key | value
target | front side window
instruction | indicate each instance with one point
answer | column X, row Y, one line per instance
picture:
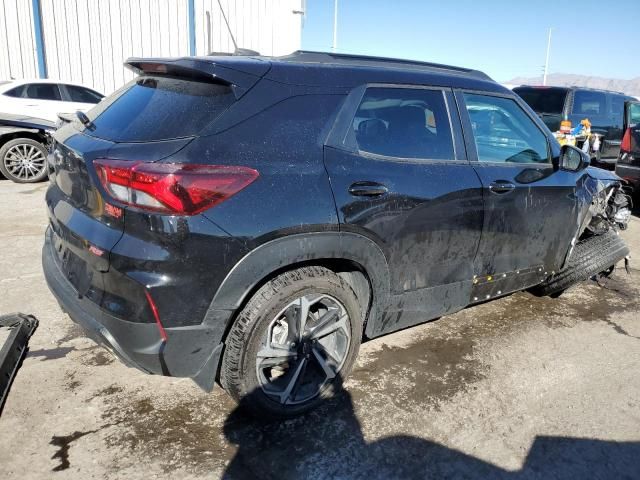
column 43, row 91
column 588, row 103
column 82, row 95
column 404, row 123
column 503, row 132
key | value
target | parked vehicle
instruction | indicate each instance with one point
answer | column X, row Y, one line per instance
column 23, row 147
column 628, row 166
column 603, row 108
column 261, row 216
column 45, row 98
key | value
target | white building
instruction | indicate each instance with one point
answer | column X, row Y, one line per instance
column 87, row 41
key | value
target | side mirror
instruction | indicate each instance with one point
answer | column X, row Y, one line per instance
column 573, row 159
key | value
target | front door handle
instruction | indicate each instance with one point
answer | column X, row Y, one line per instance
column 501, row 186
column 367, row 189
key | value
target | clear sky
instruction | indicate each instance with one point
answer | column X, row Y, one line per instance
column 503, row 38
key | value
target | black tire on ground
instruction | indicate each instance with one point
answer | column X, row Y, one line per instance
column 239, row 372
column 35, row 151
column 590, row 257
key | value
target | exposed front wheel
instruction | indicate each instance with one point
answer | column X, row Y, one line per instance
column 23, row 160
column 293, row 343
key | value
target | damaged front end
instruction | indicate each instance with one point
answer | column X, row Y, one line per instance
column 608, row 204
column 603, row 205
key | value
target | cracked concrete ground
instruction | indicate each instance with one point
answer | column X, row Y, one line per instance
column 519, row 387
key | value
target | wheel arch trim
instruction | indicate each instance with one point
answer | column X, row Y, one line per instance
column 282, row 252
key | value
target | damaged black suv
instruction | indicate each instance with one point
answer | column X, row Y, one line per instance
column 250, row 220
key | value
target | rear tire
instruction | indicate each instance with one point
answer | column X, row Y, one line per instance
column 277, row 369
column 590, row 257
column 23, row 160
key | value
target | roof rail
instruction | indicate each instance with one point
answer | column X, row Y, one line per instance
column 366, row 60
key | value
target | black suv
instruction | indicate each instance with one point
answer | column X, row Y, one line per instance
column 603, row 108
column 249, row 220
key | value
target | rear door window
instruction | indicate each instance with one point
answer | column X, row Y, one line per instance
column 404, row 123
column 503, row 132
column 587, row 103
column 43, row 91
column 159, row 108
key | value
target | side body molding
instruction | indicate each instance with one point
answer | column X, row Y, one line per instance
column 282, row 252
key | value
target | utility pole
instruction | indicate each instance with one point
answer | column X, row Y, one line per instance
column 546, row 63
column 335, row 26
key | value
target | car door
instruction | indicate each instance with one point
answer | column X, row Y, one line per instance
column 616, row 125
column 42, row 100
column 628, row 166
column 531, row 212
column 400, row 176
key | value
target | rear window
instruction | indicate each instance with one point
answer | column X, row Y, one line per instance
column 159, row 108
column 543, row 100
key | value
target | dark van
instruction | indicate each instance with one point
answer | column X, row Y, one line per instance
column 603, row 108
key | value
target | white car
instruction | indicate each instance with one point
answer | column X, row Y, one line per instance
column 45, row 98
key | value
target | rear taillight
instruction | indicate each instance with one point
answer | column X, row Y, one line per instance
column 625, row 146
column 172, row 188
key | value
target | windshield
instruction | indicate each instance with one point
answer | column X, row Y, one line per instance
column 543, row 99
column 159, row 108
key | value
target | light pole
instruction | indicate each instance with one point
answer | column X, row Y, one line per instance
column 546, row 63
column 334, row 47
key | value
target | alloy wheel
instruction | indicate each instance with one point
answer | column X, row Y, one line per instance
column 304, row 349
column 24, row 161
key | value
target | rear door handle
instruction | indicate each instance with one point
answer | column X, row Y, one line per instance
column 367, row 189
column 501, row 186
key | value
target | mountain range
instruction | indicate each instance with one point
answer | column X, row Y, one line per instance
column 630, row 87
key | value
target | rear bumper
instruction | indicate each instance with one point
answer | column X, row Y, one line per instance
column 192, row 351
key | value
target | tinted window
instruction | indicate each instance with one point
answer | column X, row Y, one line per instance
column 589, row 103
column 404, row 123
column 634, row 113
column 43, row 91
column 15, row 92
column 504, row 132
column 160, row 108
column 543, row 99
column 82, row 95
column 617, row 105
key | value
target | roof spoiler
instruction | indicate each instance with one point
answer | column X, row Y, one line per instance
column 239, row 73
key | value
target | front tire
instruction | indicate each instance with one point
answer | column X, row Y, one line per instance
column 23, row 160
column 293, row 344
column 591, row 256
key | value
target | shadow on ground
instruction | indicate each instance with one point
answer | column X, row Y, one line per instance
column 336, row 448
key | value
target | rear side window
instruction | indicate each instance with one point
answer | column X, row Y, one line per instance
column 543, row 99
column 15, row 92
column 404, row 123
column 503, row 132
column 617, row 105
column 43, row 91
column 82, row 95
column 589, row 103
column 634, row 113
column 160, row 108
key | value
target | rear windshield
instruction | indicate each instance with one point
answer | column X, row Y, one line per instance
column 543, row 100
column 159, row 108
